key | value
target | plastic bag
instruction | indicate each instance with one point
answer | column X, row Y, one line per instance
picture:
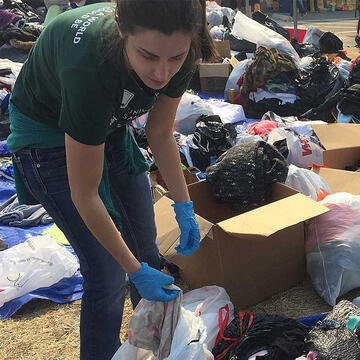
column 303, row 152
column 198, row 324
column 304, row 49
column 333, row 247
column 318, row 81
column 235, row 75
column 248, row 29
column 190, row 109
column 313, row 35
column 38, row 262
column 307, row 182
column 263, row 19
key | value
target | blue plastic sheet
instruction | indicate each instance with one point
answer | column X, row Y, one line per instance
column 66, row 290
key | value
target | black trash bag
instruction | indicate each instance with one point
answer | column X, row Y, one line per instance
column 263, row 19
column 243, row 46
column 304, row 49
column 282, row 337
column 354, row 76
column 317, row 82
column 212, row 138
column 242, row 177
column 330, row 43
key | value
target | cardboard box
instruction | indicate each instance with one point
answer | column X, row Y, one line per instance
column 253, row 255
column 159, row 187
column 340, row 180
column 342, row 144
column 213, row 76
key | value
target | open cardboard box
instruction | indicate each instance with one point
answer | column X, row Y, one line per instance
column 253, row 255
column 342, row 144
column 340, row 180
column 213, row 76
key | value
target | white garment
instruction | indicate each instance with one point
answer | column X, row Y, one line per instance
column 261, row 94
column 304, row 127
column 229, row 113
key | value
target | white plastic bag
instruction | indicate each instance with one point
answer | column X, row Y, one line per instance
column 238, row 70
column 303, row 152
column 307, row 182
column 333, row 247
column 199, row 321
column 190, row 108
column 251, row 30
column 38, row 262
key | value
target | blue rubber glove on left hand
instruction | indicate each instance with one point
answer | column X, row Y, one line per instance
column 189, row 227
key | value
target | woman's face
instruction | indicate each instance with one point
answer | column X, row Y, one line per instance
column 156, row 57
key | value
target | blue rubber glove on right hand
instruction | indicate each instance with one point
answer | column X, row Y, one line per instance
column 149, row 282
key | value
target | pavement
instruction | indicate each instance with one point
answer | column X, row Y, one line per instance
column 342, row 23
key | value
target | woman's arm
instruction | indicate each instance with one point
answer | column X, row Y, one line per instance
column 85, row 167
column 159, row 132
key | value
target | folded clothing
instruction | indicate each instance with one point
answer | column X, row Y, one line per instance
column 13, row 214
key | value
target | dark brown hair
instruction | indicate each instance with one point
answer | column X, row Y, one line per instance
column 168, row 16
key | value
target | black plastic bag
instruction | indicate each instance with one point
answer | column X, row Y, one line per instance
column 318, row 81
column 263, row 19
column 304, row 49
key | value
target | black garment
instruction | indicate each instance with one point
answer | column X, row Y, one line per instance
column 255, row 110
column 349, row 103
column 331, row 339
column 263, row 19
column 243, row 46
column 330, row 43
column 229, row 3
column 3, row 245
column 212, row 138
column 243, row 176
column 13, row 32
column 282, row 337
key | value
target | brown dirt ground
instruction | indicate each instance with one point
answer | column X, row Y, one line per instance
column 43, row 330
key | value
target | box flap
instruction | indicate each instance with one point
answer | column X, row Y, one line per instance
column 223, row 48
column 337, row 136
column 214, row 70
column 340, row 180
column 168, row 231
column 269, row 219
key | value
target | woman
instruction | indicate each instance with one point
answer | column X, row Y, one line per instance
column 92, row 71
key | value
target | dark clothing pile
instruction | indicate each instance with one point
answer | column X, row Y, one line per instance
column 331, row 339
column 243, row 176
column 210, row 140
column 283, row 338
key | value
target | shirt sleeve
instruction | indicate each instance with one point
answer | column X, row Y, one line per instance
column 180, row 81
column 86, row 106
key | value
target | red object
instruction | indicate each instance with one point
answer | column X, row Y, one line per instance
column 223, row 324
column 262, row 127
column 301, row 34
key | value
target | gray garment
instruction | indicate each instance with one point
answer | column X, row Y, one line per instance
column 13, row 214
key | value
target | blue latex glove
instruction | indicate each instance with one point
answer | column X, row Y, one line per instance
column 189, row 227
column 149, row 282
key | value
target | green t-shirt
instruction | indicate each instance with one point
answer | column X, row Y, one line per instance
column 68, row 83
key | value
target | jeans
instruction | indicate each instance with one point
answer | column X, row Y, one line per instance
column 45, row 176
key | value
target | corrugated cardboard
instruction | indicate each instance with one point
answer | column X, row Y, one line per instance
column 253, row 255
column 340, row 180
column 213, row 76
column 342, row 144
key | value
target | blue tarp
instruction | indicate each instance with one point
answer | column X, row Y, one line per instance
column 67, row 289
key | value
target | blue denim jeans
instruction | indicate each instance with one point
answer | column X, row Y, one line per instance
column 45, row 176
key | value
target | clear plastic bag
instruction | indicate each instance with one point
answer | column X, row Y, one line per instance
column 38, row 262
column 307, row 182
column 238, row 70
column 333, row 247
column 249, row 29
column 198, row 324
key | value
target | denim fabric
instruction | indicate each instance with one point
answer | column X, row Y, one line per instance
column 45, row 175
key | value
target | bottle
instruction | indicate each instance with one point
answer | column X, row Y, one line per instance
column 232, row 95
